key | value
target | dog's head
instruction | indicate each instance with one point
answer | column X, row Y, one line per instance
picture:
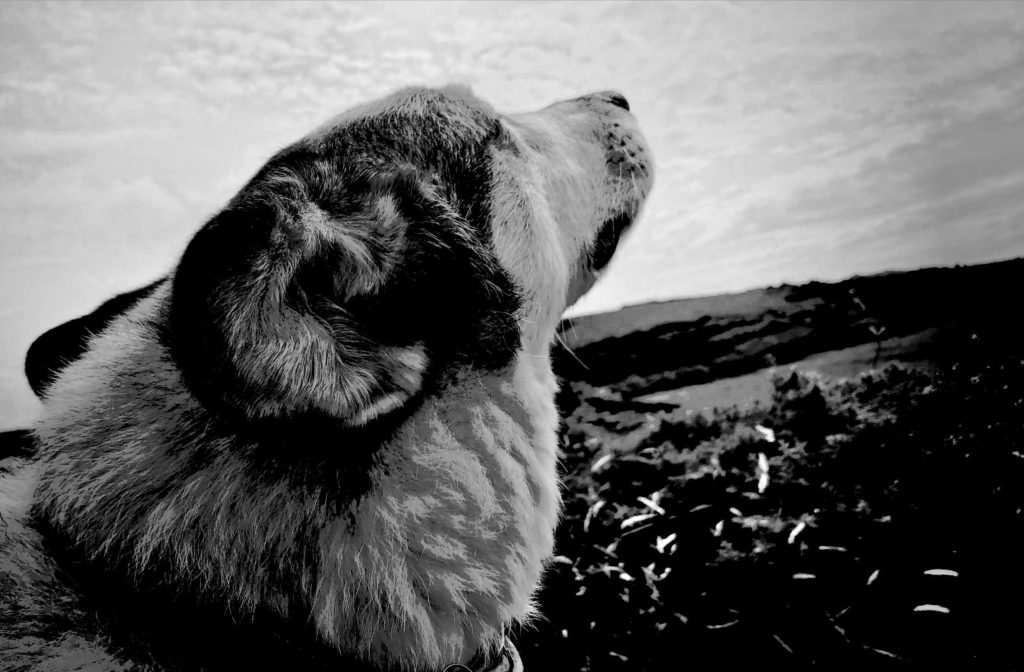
column 406, row 236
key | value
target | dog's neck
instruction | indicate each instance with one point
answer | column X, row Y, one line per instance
column 427, row 558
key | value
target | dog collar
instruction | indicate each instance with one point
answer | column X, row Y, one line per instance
column 505, row 659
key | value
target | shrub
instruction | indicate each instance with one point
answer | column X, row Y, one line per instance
column 803, row 534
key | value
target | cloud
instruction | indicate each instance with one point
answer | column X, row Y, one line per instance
column 28, row 143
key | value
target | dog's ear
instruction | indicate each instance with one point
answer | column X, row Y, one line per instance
column 313, row 293
column 54, row 350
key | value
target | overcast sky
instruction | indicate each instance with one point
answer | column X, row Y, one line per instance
column 792, row 141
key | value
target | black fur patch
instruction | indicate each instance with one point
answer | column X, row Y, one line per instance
column 607, row 239
column 63, row 344
column 445, row 290
column 221, row 252
column 156, row 626
column 449, row 292
column 16, row 443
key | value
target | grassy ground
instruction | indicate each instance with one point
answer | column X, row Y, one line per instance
column 660, row 347
column 755, row 388
column 872, row 523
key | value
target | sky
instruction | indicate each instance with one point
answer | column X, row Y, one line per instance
column 792, row 141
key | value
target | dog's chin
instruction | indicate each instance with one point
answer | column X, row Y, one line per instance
column 597, row 257
column 581, row 282
column 607, row 241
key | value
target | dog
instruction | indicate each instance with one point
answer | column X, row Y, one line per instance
column 335, row 417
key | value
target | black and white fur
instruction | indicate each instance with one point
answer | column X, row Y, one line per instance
column 334, row 418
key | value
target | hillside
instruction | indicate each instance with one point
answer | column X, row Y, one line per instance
column 669, row 345
column 747, row 485
column 866, row 524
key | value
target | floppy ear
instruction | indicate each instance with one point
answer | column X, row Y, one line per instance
column 54, row 350
column 308, row 294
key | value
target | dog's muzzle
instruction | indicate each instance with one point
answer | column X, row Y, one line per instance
column 607, row 240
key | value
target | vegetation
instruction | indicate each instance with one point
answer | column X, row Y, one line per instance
column 873, row 523
column 668, row 345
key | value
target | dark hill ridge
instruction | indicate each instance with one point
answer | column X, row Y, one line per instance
column 659, row 346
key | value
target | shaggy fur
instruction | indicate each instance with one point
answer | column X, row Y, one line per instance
column 338, row 409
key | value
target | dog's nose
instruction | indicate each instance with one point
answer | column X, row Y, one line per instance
column 617, row 99
column 613, row 97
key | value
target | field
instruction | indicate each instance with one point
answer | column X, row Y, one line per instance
column 755, row 388
column 845, row 508
column 873, row 523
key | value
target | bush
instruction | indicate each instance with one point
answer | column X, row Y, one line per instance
column 803, row 534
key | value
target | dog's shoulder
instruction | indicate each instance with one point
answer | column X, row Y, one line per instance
column 36, row 599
